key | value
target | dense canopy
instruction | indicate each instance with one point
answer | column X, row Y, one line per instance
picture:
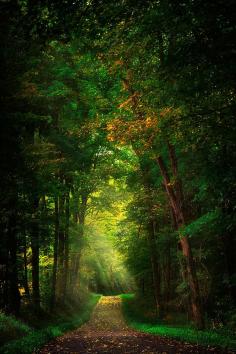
column 118, row 150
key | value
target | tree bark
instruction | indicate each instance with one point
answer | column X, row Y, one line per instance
column 151, row 236
column 185, row 244
column 81, row 212
column 66, row 245
column 13, row 298
column 61, row 248
column 176, row 202
column 177, row 183
column 181, row 261
column 55, row 255
column 26, row 284
column 167, row 271
column 35, row 254
column 155, row 265
column 75, row 202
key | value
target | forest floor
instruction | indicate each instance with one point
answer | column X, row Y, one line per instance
column 107, row 332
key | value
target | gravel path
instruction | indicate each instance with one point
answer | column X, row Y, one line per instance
column 107, row 332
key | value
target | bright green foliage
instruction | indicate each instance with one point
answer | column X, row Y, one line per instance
column 190, row 335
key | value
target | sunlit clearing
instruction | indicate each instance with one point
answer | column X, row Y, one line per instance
column 103, row 268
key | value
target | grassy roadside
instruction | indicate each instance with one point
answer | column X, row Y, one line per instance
column 32, row 340
column 186, row 334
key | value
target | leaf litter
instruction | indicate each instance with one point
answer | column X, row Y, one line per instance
column 107, row 333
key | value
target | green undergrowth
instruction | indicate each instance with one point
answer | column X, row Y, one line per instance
column 135, row 319
column 11, row 328
column 30, row 340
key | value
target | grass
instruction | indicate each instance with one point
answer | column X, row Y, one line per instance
column 11, row 328
column 187, row 334
column 31, row 340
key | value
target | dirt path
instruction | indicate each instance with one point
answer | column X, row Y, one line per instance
column 107, row 332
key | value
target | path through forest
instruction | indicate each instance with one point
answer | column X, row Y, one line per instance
column 107, row 332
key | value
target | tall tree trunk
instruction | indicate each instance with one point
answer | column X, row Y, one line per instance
column 26, row 284
column 167, row 272
column 61, row 248
column 176, row 200
column 75, row 202
column 142, row 281
column 55, row 254
column 151, row 226
column 185, row 245
column 155, row 266
column 75, row 272
column 229, row 240
column 77, row 257
column 177, row 183
column 66, row 244
column 151, row 236
column 35, row 254
column 13, row 298
column 180, row 199
column 182, row 264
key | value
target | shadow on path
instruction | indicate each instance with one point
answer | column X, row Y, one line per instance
column 107, row 332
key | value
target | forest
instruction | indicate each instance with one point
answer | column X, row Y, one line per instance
column 118, row 166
